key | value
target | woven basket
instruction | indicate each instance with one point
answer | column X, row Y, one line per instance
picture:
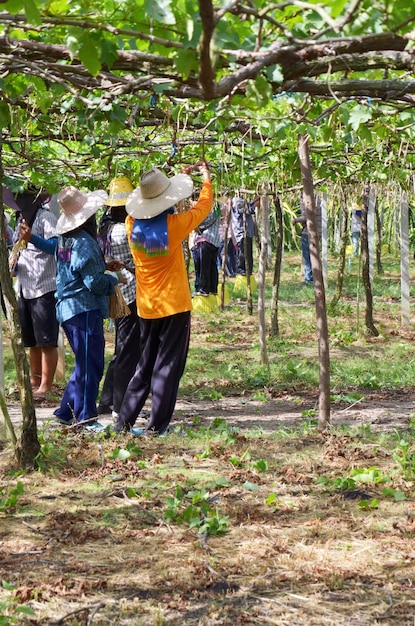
column 117, row 305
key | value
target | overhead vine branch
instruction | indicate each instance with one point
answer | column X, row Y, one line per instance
column 99, row 71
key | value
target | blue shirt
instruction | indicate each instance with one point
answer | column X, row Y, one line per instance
column 81, row 283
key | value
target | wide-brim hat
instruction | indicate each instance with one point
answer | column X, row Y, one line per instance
column 120, row 189
column 8, row 199
column 157, row 193
column 78, row 207
column 25, row 200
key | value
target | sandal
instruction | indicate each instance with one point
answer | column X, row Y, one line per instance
column 39, row 397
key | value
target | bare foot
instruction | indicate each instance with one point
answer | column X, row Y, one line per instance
column 40, row 393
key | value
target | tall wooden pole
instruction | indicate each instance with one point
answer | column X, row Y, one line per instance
column 261, row 275
column 365, row 252
column 277, row 267
column 319, row 290
column 405, row 282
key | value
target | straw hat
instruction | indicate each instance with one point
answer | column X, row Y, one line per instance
column 120, row 189
column 78, row 207
column 157, row 193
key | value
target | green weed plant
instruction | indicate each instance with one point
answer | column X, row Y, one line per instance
column 10, row 499
column 11, row 612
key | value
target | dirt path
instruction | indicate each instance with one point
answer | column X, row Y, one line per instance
column 382, row 410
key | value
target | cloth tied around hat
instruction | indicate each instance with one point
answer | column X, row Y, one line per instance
column 157, row 193
column 77, row 207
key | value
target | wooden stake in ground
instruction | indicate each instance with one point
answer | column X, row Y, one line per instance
column 319, row 290
column 224, row 254
column 366, row 273
column 405, row 276
column 344, row 237
column 261, row 276
column 277, row 267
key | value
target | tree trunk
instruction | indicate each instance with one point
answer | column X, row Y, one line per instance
column 277, row 268
column 379, row 239
column 261, row 277
column 224, row 253
column 332, row 235
column 405, row 264
column 319, row 290
column 28, row 447
column 7, row 420
column 247, row 268
column 370, row 326
column 343, row 245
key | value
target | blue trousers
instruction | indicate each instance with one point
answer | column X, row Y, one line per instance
column 85, row 334
column 164, row 347
column 305, row 251
column 356, row 241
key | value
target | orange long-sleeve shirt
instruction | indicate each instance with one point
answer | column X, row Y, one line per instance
column 162, row 281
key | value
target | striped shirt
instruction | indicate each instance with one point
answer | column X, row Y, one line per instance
column 208, row 230
column 120, row 250
column 36, row 270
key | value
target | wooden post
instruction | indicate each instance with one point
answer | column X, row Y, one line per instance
column 371, row 231
column 261, row 276
column 319, row 291
column 364, row 246
column 279, row 244
column 324, row 246
column 405, row 299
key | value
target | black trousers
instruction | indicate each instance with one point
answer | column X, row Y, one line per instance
column 206, row 267
column 241, row 262
column 164, row 347
column 124, row 362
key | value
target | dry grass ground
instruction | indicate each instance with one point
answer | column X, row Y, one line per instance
column 92, row 538
column 245, row 515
